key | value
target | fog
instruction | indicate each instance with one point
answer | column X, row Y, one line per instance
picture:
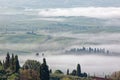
column 99, row 65
column 109, row 41
column 95, row 12
column 55, row 45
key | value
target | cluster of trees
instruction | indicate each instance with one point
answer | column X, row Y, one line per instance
column 34, row 70
column 9, row 67
column 115, row 75
column 31, row 70
column 11, row 64
column 77, row 72
column 87, row 50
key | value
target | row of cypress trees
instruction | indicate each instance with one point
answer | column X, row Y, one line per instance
column 11, row 63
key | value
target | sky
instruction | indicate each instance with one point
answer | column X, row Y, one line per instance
column 59, row 3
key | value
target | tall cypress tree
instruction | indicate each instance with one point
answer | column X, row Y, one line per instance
column 12, row 62
column 0, row 63
column 3, row 64
column 7, row 61
column 78, row 70
column 67, row 71
column 50, row 71
column 44, row 71
column 17, row 65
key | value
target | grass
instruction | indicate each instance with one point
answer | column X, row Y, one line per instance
column 1, row 67
column 69, row 77
column 64, row 40
column 22, row 38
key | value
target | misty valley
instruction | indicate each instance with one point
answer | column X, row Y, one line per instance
column 58, row 42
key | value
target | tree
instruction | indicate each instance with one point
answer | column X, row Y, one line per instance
column 7, row 61
column 74, row 72
column 50, row 71
column 17, row 65
column 58, row 72
column 32, row 64
column 12, row 66
column 67, row 71
column 78, row 73
column 28, row 74
column 3, row 64
column 115, row 75
column 44, row 71
column 0, row 63
column 84, row 75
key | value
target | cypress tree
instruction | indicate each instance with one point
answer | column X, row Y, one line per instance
column 50, row 71
column 44, row 71
column 3, row 64
column 17, row 65
column 78, row 70
column 67, row 71
column 12, row 62
column 7, row 61
column 0, row 63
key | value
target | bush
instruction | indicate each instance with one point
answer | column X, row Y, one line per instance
column 28, row 74
column 32, row 64
column 58, row 72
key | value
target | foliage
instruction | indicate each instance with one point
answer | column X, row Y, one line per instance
column 10, row 68
column 14, row 77
column 66, row 78
column 11, row 64
column 17, row 65
column 67, row 71
column 33, row 70
column 58, row 72
column 50, row 71
column 7, row 61
column 28, row 74
column 32, row 64
column 73, row 73
column 78, row 73
column 44, row 71
column 115, row 75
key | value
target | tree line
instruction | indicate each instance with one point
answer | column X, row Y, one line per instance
column 88, row 50
column 10, row 69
